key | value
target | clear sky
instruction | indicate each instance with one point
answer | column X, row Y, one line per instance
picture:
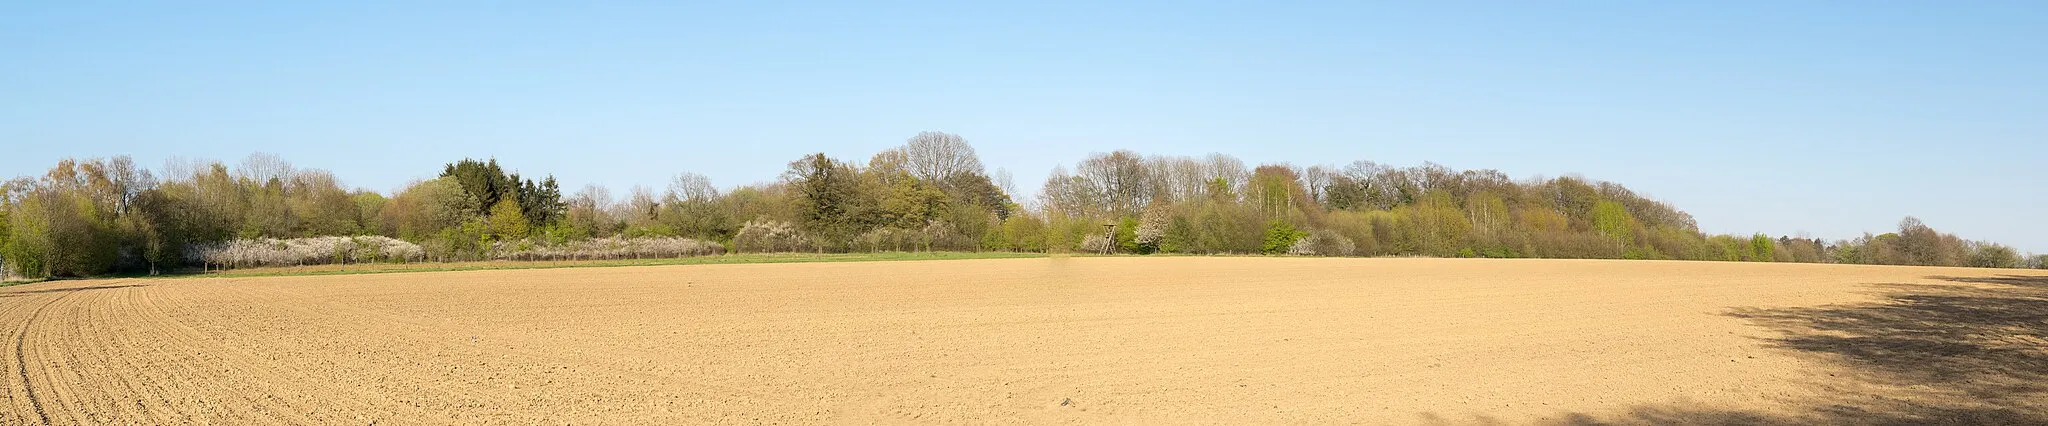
column 1828, row 118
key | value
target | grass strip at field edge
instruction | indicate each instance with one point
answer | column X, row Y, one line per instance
column 725, row 259
column 20, row 282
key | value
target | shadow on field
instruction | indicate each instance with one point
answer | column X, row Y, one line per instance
column 1975, row 352
column 68, row 290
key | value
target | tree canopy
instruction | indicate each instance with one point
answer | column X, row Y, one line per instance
column 95, row 216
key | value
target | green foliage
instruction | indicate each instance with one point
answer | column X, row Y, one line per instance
column 1612, row 220
column 976, row 190
column 1063, row 235
column 648, row 230
column 481, row 181
column 558, row 234
column 1438, row 226
column 1346, row 193
column 506, row 221
column 1219, row 190
column 993, row 240
column 1671, row 242
column 1500, row 253
column 427, row 208
column 1025, row 233
column 1227, row 228
column 369, row 207
column 1639, row 253
column 540, row 203
column 1356, row 226
column 1728, row 248
column 1802, row 250
column 159, row 226
column 466, row 241
column 913, row 203
column 828, row 199
column 91, row 217
column 6, row 268
column 1280, row 236
column 21, row 251
column 57, row 229
column 712, row 219
column 1914, row 244
column 1995, row 256
column 1276, row 191
column 1125, row 237
column 1761, row 248
column 1395, row 234
column 1180, row 235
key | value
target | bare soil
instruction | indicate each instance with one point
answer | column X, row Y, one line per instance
column 1053, row 340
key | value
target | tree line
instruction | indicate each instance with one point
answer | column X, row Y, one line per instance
column 99, row 216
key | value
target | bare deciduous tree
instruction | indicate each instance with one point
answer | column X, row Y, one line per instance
column 1316, row 180
column 1003, row 180
column 264, row 167
column 935, row 156
column 1069, row 195
column 641, row 206
column 888, row 165
column 1121, row 177
column 590, row 210
column 1179, row 179
column 127, row 181
column 691, row 187
column 1230, row 170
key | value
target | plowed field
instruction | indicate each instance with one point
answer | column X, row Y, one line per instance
column 1085, row 340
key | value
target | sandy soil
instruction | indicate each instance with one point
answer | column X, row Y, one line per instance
column 1083, row 340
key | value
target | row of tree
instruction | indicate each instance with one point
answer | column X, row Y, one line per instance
column 92, row 217
column 1218, row 205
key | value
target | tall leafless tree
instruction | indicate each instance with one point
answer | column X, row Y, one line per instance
column 889, row 165
column 1003, row 180
column 691, row 187
column 1179, row 178
column 590, row 210
column 1121, row 177
column 264, row 167
column 1316, row 180
column 1230, row 170
column 641, row 206
column 935, row 156
column 1069, row 195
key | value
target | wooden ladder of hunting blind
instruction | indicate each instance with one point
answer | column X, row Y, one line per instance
column 1108, row 237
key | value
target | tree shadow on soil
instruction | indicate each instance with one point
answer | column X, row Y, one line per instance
column 1973, row 352
column 68, row 290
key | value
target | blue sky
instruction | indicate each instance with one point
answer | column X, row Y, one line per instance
column 1828, row 118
